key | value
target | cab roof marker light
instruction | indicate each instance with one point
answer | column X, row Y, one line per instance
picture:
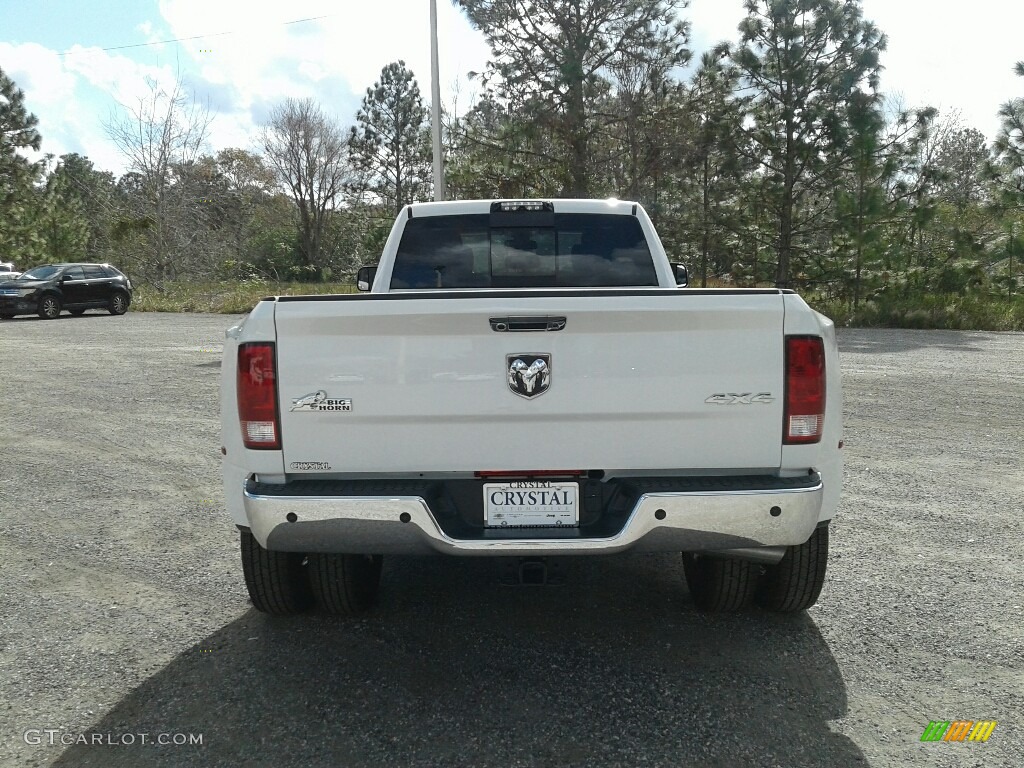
column 509, row 206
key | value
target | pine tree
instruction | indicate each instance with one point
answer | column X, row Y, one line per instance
column 18, row 199
column 1009, row 145
column 802, row 62
column 714, row 161
column 551, row 67
column 390, row 144
column 63, row 222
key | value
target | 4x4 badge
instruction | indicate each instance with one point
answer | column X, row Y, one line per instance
column 744, row 398
column 529, row 375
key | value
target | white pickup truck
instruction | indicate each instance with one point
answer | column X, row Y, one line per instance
column 531, row 380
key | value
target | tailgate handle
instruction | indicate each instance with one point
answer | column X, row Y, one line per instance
column 544, row 323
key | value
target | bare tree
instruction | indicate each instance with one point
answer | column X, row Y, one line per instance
column 161, row 138
column 307, row 150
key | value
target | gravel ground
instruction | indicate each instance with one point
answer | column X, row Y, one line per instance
column 123, row 613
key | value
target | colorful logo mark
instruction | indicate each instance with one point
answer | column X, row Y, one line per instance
column 958, row 730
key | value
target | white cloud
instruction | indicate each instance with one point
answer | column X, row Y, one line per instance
column 712, row 21
column 312, row 70
column 39, row 72
column 952, row 56
column 53, row 93
column 240, row 75
column 350, row 45
column 942, row 53
column 117, row 75
column 148, row 32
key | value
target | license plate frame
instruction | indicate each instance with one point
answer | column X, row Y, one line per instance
column 533, row 504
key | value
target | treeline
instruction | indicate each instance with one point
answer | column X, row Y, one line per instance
column 773, row 158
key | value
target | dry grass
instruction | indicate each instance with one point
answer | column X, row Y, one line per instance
column 225, row 298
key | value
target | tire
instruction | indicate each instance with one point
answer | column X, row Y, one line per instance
column 345, row 585
column 119, row 302
column 795, row 582
column 719, row 584
column 49, row 307
column 77, row 312
column 276, row 580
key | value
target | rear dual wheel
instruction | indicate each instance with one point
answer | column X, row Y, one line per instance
column 345, row 585
column 719, row 584
column 276, row 580
column 285, row 583
column 795, row 582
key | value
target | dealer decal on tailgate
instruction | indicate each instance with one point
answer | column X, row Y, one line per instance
column 301, row 466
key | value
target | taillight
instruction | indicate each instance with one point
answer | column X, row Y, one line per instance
column 805, row 390
column 257, row 396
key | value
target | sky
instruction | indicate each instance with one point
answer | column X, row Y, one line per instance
column 73, row 61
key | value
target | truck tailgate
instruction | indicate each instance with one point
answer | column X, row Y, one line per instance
column 412, row 383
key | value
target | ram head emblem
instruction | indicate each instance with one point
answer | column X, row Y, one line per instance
column 529, row 375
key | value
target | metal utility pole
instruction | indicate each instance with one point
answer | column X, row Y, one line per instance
column 435, row 106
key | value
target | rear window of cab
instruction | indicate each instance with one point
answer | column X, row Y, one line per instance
column 577, row 250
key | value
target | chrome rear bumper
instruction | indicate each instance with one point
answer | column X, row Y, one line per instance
column 754, row 524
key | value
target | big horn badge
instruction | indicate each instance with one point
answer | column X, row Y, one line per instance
column 529, row 375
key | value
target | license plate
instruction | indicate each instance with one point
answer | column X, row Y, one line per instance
column 531, row 503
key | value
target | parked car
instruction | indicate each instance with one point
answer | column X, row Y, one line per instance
column 7, row 271
column 48, row 289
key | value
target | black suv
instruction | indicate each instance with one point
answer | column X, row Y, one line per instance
column 48, row 289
